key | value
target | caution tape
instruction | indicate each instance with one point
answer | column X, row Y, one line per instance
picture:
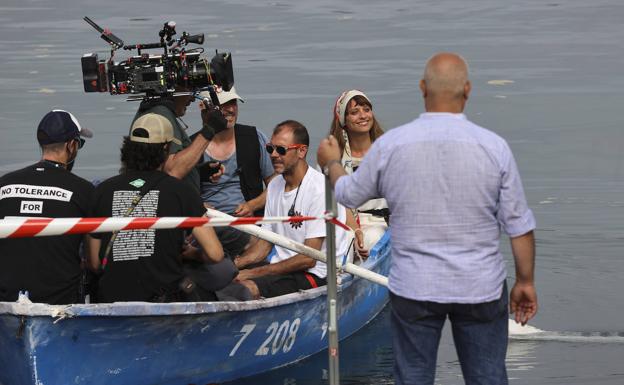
column 40, row 227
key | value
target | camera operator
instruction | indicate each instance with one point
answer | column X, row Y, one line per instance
column 183, row 157
column 47, row 267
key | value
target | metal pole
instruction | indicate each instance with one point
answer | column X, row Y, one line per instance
column 332, row 335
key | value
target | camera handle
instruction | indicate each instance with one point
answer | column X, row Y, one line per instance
column 214, row 99
column 106, row 35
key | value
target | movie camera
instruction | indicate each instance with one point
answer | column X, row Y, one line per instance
column 157, row 75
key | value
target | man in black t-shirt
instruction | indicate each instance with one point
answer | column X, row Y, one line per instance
column 144, row 265
column 47, row 267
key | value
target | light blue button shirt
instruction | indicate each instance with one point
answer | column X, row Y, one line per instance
column 451, row 187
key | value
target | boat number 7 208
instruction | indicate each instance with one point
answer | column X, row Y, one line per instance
column 280, row 337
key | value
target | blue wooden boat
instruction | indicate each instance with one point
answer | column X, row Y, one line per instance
column 178, row 343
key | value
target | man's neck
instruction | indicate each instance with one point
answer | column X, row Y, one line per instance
column 224, row 136
column 294, row 178
column 453, row 107
column 55, row 158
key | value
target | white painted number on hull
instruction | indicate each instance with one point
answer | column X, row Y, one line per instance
column 246, row 330
column 281, row 337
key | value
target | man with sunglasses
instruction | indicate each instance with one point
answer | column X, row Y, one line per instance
column 47, row 267
column 298, row 190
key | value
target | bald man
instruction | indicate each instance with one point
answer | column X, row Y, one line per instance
column 451, row 187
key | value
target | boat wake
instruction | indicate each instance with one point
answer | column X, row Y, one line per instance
column 530, row 333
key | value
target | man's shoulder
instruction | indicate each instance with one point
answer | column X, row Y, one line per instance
column 314, row 181
column 487, row 137
column 138, row 179
column 8, row 177
column 34, row 174
column 245, row 129
column 165, row 108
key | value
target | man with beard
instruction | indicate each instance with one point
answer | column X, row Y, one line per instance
column 298, row 190
column 47, row 267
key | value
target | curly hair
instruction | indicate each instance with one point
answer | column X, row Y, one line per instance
column 142, row 156
column 336, row 129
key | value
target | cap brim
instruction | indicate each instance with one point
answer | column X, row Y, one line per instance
column 86, row 133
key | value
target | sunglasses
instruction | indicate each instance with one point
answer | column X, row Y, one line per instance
column 281, row 150
column 80, row 141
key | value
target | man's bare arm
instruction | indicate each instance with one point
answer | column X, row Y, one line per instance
column 209, row 244
column 246, row 209
column 256, row 253
column 298, row 262
column 182, row 162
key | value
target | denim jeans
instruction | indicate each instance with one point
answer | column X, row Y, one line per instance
column 480, row 334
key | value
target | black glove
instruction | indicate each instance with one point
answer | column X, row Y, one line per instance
column 213, row 123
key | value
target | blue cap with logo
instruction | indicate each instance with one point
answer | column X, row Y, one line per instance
column 59, row 126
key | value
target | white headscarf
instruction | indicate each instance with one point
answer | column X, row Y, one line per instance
column 343, row 101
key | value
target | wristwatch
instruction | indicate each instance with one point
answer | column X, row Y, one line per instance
column 328, row 166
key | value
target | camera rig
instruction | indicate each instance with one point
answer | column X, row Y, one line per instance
column 176, row 71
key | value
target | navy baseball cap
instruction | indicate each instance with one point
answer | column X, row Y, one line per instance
column 59, row 126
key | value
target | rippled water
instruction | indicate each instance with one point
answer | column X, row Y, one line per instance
column 546, row 76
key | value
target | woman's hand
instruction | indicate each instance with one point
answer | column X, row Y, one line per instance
column 359, row 243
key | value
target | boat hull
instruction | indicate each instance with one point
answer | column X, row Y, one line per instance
column 141, row 343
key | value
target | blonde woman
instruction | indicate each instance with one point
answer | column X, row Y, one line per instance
column 355, row 127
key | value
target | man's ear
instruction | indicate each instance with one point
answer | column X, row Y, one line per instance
column 423, row 87
column 467, row 89
column 302, row 152
column 71, row 146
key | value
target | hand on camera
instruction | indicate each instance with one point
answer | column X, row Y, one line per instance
column 213, row 123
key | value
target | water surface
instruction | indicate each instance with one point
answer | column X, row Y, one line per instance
column 546, row 76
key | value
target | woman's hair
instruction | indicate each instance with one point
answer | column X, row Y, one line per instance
column 141, row 156
column 336, row 129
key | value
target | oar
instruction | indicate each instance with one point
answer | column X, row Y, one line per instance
column 283, row 241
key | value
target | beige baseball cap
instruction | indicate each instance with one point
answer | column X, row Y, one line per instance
column 224, row 96
column 158, row 128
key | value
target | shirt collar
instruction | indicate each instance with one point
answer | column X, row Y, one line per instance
column 437, row 115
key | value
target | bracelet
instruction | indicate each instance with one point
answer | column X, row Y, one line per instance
column 329, row 164
column 358, row 229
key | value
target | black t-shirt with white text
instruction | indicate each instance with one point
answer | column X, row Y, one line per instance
column 143, row 263
column 47, row 267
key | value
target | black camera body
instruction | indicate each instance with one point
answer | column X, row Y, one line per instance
column 153, row 75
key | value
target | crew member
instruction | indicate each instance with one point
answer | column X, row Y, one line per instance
column 47, row 267
column 451, row 186
column 184, row 155
column 143, row 265
column 246, row 166
column 298, row 190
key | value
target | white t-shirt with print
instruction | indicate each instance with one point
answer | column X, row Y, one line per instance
column 310, row 202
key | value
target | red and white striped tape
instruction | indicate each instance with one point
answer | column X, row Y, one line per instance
column 39, row 227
